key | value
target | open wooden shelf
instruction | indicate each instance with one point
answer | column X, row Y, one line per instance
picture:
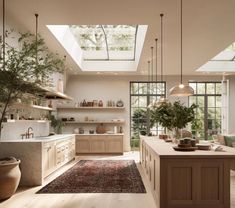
column 94, row 122
column 26, row 121
column 90, row 108
column 22, row 105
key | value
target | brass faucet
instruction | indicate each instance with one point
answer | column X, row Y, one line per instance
column 28, row 133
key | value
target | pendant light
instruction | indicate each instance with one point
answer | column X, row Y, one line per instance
column 151, row 104
column 36, row 35
column 152, row 63
column 154, row 103
column 149, row 72
column 162, row 100
column 181, row 89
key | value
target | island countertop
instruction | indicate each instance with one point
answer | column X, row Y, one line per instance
column 165, row 150
column 40, row 138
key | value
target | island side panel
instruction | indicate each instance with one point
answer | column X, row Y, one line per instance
column 195, row 183
column 30, row 154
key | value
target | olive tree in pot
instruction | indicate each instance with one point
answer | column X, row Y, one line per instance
column 24, row 67
column 174, row 116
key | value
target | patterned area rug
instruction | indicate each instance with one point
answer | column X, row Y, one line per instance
column 98, row 176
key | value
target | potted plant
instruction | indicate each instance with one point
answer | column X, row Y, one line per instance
column 174, row 116
column 23, row 68
column 56, row 123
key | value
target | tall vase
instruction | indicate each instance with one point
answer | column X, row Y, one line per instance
column 9, row 178
column 177, row 133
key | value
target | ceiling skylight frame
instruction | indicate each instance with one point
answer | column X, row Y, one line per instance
column 107, row 48
column 137, row 36
column 222, row 62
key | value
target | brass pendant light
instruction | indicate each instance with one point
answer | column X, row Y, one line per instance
column 181, row 89
column 163, row 99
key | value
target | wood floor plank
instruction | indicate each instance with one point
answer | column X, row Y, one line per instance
column 26, row 197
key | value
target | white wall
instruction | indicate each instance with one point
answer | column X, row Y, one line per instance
column 13, row 130
column 99, row 87
column 231, row 127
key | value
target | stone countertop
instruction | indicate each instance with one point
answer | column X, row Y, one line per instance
column 165, row 150
column 40, row 138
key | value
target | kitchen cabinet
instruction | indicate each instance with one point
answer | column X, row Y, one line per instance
column 99, row 143
column 48, row 152
column 57, row 153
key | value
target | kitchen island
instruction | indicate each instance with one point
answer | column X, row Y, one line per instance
column 39, row 156
column 198, row 179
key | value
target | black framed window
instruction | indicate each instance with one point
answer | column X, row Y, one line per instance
column 141, row 95
column 208, row 113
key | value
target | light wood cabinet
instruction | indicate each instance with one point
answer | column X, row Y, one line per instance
column 48, row 152
column 99, row 144
column 56, row 154
column 191, row 181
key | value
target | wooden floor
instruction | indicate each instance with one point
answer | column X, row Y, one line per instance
column 26, row 197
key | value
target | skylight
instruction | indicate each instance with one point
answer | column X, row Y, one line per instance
column 102, row 47
column 222, row 62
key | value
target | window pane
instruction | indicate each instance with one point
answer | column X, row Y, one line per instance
column 218, row 101
column 211, row 101
column 160, row 88
column 218, row 113
column 142, row 101
column 134, row 101
column 218, row 88
column 210, row 88
column 200, row 101
column 192, row 100
column 211, row 113
column 200, row 88
column 153, row 88
column 194, row 86
column 134, row 88
column 142, row 88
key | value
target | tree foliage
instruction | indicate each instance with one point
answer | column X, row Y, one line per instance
column 174, row 116
column 28, row 64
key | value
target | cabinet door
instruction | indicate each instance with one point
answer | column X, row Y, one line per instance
column 82, row 146
column 48, row 158
column 114, row 146
column 97, row 146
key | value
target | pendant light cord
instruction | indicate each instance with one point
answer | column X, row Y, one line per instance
column 3, row 35
column 161, row 15
column 156, row 57
column 152, row 62
column 149, row 72
column 181, row 42
column 36, row 35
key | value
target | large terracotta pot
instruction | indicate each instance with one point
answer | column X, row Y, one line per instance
column 9, row 178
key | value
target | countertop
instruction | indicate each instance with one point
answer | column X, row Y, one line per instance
column 41, row 138
column 165, row 150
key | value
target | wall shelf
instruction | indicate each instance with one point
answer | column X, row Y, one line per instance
column 22, row 105
column 50, row 93
column 94, row 122
column 90, row 108
column 28, row 121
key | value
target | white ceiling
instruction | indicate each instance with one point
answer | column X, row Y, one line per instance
column 207, row 25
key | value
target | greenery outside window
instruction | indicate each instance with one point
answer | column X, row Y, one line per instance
column 208, row 113
column 141, row 95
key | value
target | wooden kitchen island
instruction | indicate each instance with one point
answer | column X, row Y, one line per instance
column 199, row 179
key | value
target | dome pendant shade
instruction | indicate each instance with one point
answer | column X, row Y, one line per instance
column 181, row 90
column 161, row 101
column 158, row 103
